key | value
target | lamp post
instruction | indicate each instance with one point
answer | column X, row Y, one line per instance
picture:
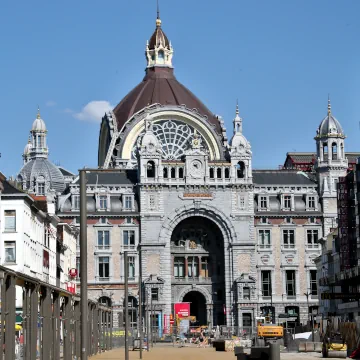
column 140, row 304
column 126, row 272
column 310, row 317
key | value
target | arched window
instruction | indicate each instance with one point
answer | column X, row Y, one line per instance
column 181, row 173
column 342, row 151
column 325, row 151
column 240, row 170
column 237, row 127
column 227, row 173
column 334, row 151
column 105, row 300
column 218, row 173
column 165, row 172
column 211, row 173
column 150, row 169
column 132, row 310
column 173, row 173
column 161, row 57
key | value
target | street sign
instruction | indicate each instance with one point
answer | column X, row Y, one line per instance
column 339, row 296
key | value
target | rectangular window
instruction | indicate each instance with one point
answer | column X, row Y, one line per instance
column 290, row 283
column 266, row 282
column 246, row 293
column 312, row 238
column 287, row 202
column 76, row 202
column 103, row 239
column 264, row 239
column 311, row 204
column 131, row 266
column 103, row 202
column 205, row 267
column 155, row 294
column 104, row 267
column 129, row 239
column 242, row 202
column 313, row 283
column 193, row 267
column 289, row 239
column 41, row 188
column 10, row 220
column 179, row 267
column 247, row 320
column 263, row 203
column 128, row 202
column 10, row 251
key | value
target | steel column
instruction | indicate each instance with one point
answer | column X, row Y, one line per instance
column 56, row 326
column 77, row 329
column 3, row 306
column 34, row 304
column 140, row 304
column 83, row 266
column 111, row 329
column 67, row 328
column 126, row 273
column 10, row 316
column 96, row 329
column 26, row 322
column 46, row 338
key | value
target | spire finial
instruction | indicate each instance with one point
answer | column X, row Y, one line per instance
column 38, row 113
column 29, row 140
column 158, row 21
column 237, row 107
column 329, row 105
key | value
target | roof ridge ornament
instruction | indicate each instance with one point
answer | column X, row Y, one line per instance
column 38, row 113
column 237, row 107
column 329, row 105
column 158, row 20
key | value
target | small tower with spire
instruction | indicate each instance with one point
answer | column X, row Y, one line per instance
column 38, row 133
column 240, row 152
column 159, row 51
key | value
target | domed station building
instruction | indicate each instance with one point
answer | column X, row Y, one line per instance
column 234, row 242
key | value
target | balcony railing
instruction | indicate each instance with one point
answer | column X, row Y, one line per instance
column 103, row 247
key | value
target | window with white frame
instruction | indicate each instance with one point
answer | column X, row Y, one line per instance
column 266, row 282
column 131, row 267
column 10, row 251
column 313, row 282
column 312, row 238
column 311, row 202
column 290, row 283
column 263, row 202
column 287, row 202
column 103, row 239
column 128, row 202
column 76, row 202
column 288, row 238
column 129, row 239
column 104, row 267
column 103, row 200
column 264, row 239
column 10, row 220
column 179, row 267
column 41, row 188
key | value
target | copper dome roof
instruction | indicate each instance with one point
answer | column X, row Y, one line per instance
column 160, row 86
column 158, row 38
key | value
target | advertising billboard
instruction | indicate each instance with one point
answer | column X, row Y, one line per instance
column 182, row 309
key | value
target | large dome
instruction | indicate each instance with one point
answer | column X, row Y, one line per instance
column 42, row 169
column 160, row 86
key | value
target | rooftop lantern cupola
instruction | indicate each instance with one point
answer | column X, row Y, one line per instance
column 159, row 51
column 38, row 132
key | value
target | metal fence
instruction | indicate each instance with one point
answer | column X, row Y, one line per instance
column 47, row 324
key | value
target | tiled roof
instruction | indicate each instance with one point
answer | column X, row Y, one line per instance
column 121, row 177
column 65, row 172
column 280, row 177
column 10, row 189
column 308, row 157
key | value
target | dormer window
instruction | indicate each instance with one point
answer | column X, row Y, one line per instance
column 103, row 202
column 287, row 202
column 263, row 202
column 128, row 202
column 41, row 188
column 311, row 203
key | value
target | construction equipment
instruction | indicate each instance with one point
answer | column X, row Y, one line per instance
column 268, row 333
column 334, row 346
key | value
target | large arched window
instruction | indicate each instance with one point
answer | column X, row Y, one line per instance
column 240, row 170
column 334, row 151
column 150, row 168
column 218, row 173
column 165, row 172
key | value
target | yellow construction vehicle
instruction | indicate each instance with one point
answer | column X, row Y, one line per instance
column 334, row 346
column 267, row 332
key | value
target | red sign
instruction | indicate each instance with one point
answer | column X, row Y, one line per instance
column 171, row 319
column 71, row 287
column 73, row 272
column 46, row 262
column 182, row 309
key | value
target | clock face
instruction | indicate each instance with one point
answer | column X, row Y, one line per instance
column 196, row 169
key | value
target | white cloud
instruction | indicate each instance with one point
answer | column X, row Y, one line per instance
column 93, row 111
column 50, row 103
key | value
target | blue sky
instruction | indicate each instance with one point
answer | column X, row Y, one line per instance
column 279, row 58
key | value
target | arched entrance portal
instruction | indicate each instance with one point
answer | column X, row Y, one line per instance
column 197, row 306
column 197, row 252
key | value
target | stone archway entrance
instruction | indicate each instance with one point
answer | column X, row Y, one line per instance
column 197, row 306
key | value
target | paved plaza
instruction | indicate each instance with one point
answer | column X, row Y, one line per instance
column 168, row 352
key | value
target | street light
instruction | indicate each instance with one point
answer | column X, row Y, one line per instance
column 310, row 317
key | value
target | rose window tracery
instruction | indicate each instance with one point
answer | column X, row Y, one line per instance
column 174, row 137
